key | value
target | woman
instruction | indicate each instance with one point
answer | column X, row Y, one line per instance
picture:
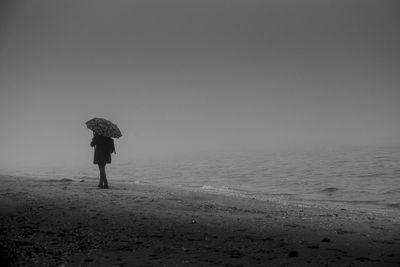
column 103, row 147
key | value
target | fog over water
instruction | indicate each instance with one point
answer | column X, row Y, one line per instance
column 183, row 77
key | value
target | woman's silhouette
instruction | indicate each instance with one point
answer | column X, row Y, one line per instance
column 103, row 147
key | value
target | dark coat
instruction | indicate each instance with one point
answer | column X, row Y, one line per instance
column 103, row 147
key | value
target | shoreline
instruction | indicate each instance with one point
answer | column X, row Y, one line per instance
column 54, row 223
column 316, row 203
column 366, row 206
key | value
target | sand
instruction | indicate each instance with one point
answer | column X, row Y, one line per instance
column 74, row 223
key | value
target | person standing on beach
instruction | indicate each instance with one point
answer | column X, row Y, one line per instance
column 103, row 147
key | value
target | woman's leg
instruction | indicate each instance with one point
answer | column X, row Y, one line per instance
column 103, row 177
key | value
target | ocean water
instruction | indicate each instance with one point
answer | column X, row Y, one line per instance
column 367, row 177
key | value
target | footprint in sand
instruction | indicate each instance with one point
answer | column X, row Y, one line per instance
column 363, row 259
column 377, row 227
column 342, row 231
column 293, row 254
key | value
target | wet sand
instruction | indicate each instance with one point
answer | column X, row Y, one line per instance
column 74, row 223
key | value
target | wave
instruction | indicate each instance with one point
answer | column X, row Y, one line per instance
column 86, row 177
column 394, row 205
column 224, row 190
column 216, row 189
column 63, row 180
column 371, row 175
column 330, row 190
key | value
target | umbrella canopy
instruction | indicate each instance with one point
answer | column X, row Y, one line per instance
column 104, row 127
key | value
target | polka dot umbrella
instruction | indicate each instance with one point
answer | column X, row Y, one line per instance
column 104, row 127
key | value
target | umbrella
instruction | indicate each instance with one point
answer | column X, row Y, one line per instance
column 104, row 127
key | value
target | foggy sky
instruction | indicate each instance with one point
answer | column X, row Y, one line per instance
column 188, row 76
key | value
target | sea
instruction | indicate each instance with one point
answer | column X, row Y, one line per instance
column 351, row 176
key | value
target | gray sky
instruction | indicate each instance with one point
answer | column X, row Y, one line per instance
column 183, row 76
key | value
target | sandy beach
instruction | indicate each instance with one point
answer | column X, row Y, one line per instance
column 73, row 223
